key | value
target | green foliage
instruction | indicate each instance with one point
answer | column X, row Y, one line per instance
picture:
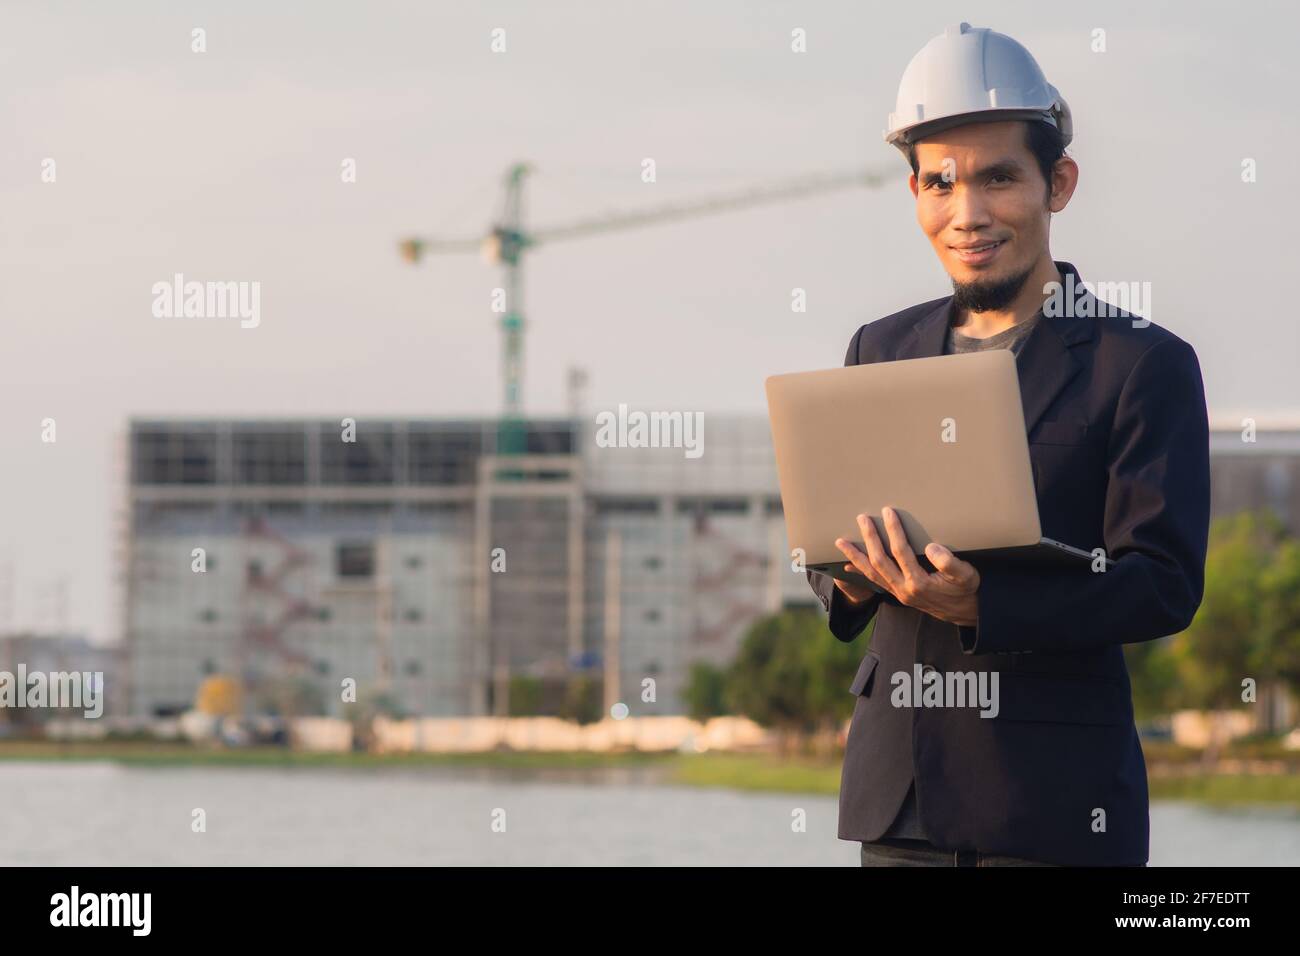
column 583, row 700
column 1153, row 670
column 1228, row 640
column 705, row 692
column 790, row 673
column 525, row 696
column 1279, row 652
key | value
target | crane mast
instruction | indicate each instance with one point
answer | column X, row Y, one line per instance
column 508, row 240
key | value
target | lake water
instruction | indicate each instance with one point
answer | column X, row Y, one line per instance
column 90, row 814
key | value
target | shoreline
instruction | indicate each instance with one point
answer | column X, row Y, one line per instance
column 1179, row 779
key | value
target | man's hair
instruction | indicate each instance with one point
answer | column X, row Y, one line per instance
column 1043, row 139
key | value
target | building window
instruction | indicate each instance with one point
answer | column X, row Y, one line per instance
column 699, row 506
column 269, row 455
column 412, row 614
column 369, row 459
column 165, row 454
column 355, row 560
column 441, row 507
column 443, row 454
column 356, row 507
column 627, row 506
column 207, row 615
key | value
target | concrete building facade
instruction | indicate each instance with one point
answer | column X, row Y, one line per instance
column 411, row 559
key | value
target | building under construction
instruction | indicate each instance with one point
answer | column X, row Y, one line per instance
column 413, row 559
column 421, row 564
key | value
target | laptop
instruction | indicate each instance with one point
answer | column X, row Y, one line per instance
column 909, row 434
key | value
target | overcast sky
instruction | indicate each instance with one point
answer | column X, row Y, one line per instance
column 225, row 165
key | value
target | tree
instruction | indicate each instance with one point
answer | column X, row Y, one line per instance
column 1226, row 638
column 525, row 696
column 791, row 675
column 1278, row 656
column 705, row 692
column 290, row 696
column 583, row 700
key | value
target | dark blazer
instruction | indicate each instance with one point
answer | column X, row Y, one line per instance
column 1119, row 441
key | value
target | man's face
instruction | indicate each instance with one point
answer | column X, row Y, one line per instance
column 982, row 201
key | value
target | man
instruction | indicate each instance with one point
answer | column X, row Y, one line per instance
column 1118, row 436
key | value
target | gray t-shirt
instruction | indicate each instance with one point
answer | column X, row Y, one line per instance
column 908, row 824
column 1013, row 338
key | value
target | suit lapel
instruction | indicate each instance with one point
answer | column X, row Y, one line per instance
column 1044, row 365
column 927, row 336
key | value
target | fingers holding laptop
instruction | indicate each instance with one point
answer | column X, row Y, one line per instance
column 861, row 562
column 856, row 593
column 947, row 593
column 879, row 566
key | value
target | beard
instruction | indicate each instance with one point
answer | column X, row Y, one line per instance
column 990, row 295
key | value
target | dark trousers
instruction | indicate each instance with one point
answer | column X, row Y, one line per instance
column 900, row 852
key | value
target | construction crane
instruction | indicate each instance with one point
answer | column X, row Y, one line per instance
column 508, row 240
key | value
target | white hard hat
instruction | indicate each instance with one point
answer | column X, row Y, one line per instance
column 968, row 75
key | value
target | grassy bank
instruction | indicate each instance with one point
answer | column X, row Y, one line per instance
column 743, row 772
column 178, row 754
column 758, row 772
column 1230, row 789
column 1172, row 777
